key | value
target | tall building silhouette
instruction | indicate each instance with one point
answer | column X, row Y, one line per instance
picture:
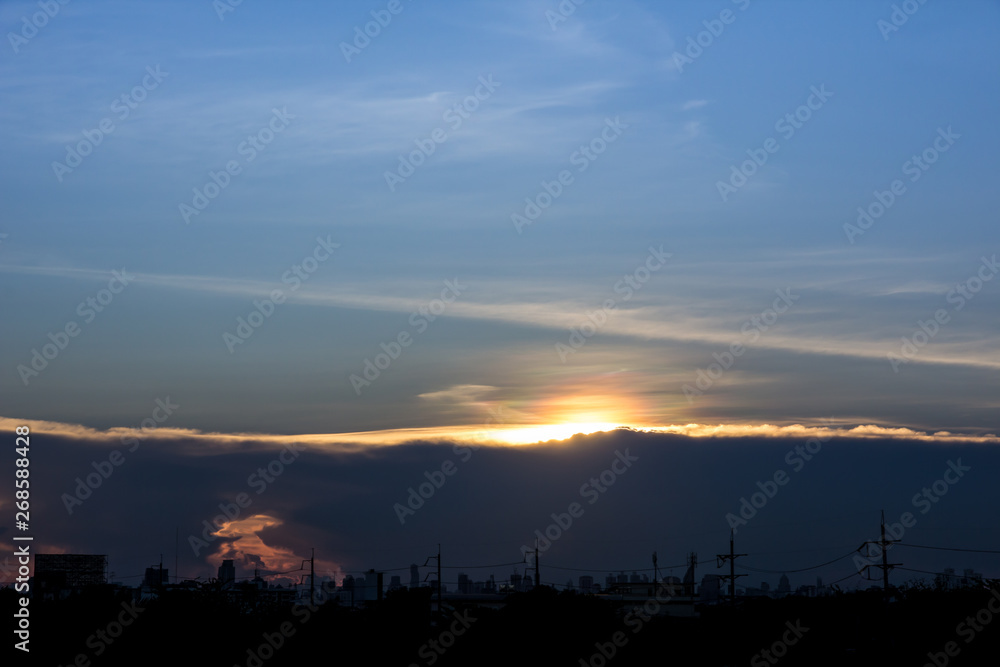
column 414, row 576
column 156, row 576
column 227, row 573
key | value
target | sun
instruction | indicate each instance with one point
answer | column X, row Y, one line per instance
column 578, row 411
column 524, row 435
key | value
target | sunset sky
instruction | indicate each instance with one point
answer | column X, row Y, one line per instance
column 490, row 222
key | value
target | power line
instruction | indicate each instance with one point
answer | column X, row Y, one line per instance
column 924, row 546
column 801, row 569
column 616, row 569
column 852, row 574
column 474, row 567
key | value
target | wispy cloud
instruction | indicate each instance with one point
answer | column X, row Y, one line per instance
column 191, row 442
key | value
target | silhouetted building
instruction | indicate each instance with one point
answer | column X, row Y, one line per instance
column 971, row 578
column 368, row 588
column 414, row 576
column 57, row 575
column 227, row 573
column 784, row 587
column 586, row 583
column 156, row 576
column 949, row 580
column 464, row 585
column 394, row 583
column 711, row 588
column 672, row 585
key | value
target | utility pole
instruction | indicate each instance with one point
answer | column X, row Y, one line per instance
column 885, row 566
column 439, row 584
column 538, row 576
column 732, row 576
column 690, row 582
column 312, row 579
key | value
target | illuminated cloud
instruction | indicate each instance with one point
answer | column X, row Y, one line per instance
column 241, row 540
column 570, row 415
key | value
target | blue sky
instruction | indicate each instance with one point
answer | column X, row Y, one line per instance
column 641, row 293
column 684, row 124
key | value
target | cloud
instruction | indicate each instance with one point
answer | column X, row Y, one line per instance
column 711, row 323
column 243, row 541
column 191, row 442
